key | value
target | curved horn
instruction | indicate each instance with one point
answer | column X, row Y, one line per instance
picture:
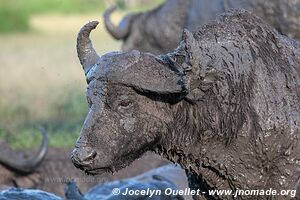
column 86, row 53
column 30, row 165
column 122, row 30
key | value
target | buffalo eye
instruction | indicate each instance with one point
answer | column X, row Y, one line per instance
column 124, row 103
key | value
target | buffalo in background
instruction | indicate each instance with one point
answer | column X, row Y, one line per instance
column 15, row 169
column 160, row 30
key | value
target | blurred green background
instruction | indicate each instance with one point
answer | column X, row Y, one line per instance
column 41, row 81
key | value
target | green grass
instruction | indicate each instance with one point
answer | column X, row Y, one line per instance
column 13, row 17
column 53, row 6
column 30, row 137
column 62, row 124
column 62, row 6
column 15, row 14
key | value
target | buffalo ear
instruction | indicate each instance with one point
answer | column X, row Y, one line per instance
column 151, row 74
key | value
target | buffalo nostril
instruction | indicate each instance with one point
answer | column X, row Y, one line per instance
column 84, row 155
column 90, row 156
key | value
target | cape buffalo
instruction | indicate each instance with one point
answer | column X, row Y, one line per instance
column 224, row 105
column 159, row 31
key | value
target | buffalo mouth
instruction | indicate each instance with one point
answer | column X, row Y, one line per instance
column 90, row 170
column 97, row 171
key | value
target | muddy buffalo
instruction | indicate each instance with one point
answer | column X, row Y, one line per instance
column 159, row 30
column 224, row 105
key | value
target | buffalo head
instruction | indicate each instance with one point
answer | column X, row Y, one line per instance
column 121, row 123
